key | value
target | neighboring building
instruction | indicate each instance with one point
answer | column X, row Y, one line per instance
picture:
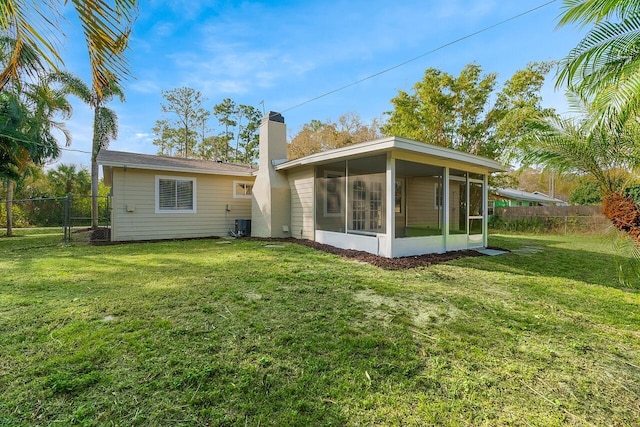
column 508, row 197
column 391, row 197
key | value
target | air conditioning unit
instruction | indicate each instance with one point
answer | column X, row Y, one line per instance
column 243, row 227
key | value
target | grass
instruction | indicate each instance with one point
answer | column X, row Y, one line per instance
column 212, row 332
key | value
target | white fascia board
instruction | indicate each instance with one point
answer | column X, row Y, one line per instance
column 176, row 169
column 386, row 144
column 369, row 147
column 447, row 153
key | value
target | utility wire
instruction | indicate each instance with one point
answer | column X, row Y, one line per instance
column 421, row 56
column 43, row 145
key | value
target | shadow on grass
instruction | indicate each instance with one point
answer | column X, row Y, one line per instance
column 589, row 259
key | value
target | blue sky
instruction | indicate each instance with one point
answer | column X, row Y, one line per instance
column 284, row 53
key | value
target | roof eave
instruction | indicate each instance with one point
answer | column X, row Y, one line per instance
column 176, row 169
column 387, row 144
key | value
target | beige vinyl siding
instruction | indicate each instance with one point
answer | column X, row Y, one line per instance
column 421, row 198
column 301, row 184
column 134, row 211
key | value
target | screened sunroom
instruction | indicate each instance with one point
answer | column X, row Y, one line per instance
column 396, row 197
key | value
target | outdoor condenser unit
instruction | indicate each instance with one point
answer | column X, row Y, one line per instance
column 243, row 227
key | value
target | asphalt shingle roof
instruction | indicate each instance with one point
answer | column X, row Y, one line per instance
column 178, row 164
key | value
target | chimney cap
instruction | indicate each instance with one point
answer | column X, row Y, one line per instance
column 274, row 116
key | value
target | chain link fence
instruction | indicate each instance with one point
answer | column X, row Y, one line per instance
column 549, row 219
column 70, row 215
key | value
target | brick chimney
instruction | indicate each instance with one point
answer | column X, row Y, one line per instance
column 271, row 195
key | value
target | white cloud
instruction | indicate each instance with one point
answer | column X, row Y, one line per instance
column 144, row 86
column 164, row 29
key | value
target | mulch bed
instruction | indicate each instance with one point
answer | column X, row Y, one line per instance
column 402, row 263
column 101, row 236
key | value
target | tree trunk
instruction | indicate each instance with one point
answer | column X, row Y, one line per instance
column 94, row 194
column 9, row 205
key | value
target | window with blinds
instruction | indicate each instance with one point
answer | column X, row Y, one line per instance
column 175, row 195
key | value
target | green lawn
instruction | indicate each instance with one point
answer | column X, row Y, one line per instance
column 212, row 332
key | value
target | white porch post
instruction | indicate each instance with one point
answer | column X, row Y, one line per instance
column 391, row 203
column 346, row 196
column 485, row 209
column 445, row 207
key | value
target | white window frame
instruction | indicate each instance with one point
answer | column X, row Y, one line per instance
column 241, row 196
column 333, row 175
column 438, row 196
column 364, row 205
column 175, row 211
column 399, row 197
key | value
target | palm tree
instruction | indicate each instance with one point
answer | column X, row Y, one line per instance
column 66, row 179
column 106, row 26
column 29, row 114
column 605, row 66
column 105, row 125
column 611, row 155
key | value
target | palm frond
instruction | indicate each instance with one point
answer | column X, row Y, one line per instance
column 105, row 128
column 26, row 23
column 71, row 84
column 584, row 12
column 602, row 53
column 106, row 29
column 608, row 154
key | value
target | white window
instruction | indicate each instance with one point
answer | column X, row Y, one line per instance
column 375, row 206
column 175, row 195
column 437, row 191
column 367, row 206
column 242, row 189
column 334, row 191
column 399, row 195
column 359, row 206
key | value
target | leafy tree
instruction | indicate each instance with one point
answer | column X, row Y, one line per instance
column 455, row 112
column 238, row 142
column 516, row 105
column 29, row 113
column 605, row 66
column 317, row 136
column 202, row 123
column 248, row 134
column 185, row 104
column 226, row 112
column 444, row 110
column 34, row 26
column 531, row 179
column 586, row 193
column 208, row 147
column 166, row 138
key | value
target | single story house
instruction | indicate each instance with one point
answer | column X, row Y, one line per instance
column 155, row 197
column 508, row 197
column 391, row 197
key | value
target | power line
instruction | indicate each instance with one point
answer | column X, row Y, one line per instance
column 421, row 56
column 43, row 145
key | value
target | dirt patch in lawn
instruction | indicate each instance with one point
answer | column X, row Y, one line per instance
column 402, row 263
column 421, row 313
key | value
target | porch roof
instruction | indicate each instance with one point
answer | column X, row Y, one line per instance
column 393, row 143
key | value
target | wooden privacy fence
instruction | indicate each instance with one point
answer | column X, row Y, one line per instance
column 553, row 218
